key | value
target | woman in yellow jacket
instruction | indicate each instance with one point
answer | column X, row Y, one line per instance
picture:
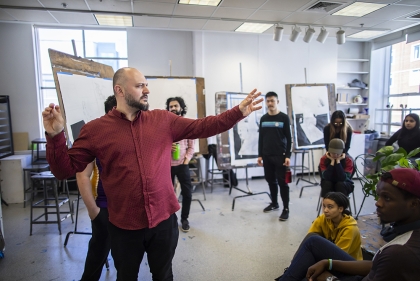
column 335, row 225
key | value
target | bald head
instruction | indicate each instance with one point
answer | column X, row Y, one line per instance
column 120, row 76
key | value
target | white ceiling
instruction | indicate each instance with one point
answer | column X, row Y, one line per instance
column 230, row 14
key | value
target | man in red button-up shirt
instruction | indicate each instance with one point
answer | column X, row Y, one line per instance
column 134, row 146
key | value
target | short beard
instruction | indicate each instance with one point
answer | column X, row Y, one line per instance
column 135, row 104
column 177, row 112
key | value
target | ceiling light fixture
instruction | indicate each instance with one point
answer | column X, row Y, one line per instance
column 365, row 34
column 359, row 9
column 278, row 33
column 200, row 2
column 114, row 20
column 341, row 37
column 253, row 27
column 322, row 35
column 295, row 33
column 309, row 34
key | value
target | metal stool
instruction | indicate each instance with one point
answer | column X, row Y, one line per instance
column 45, row 178
column 31, row 170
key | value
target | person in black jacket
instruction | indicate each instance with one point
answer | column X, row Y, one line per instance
column 408, row 137
column 338, row 128
column 274, row 146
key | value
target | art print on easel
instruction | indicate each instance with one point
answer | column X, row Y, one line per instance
column 310, row 115
column 243, row 137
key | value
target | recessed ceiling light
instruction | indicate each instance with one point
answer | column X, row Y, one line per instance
column 367, row 34
column 359, row 9
column 200, row 2
column 253, row 27
column 114, row 20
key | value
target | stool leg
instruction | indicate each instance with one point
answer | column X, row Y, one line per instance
column 30, row 229
column 24, row 189
column 57, row 207
column 46, row 201
column 66, row 187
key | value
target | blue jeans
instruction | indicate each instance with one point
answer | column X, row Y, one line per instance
column 312, row 250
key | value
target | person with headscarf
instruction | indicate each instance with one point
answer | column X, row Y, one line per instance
column 408, row 137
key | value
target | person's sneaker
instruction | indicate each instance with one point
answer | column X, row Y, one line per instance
column 271, row 207
column 284, row 215
column 185, row 226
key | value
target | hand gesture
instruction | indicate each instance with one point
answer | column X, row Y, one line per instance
column 329, row 156
column 248, row 105
column 315, row 270
column 260, row 162
column 286, row 162
column 53, row 120
column 173, row 147
column 342, row 156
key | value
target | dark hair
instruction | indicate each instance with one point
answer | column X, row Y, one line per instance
column 404, row 130
column 181, row 104
column 388, row 176
column 271, row 94
column 340, row 199
column 343, row 130
column 110, row 102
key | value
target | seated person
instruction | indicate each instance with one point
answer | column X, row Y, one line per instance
column 336, row 169
column 398, row 203
column 335, row 225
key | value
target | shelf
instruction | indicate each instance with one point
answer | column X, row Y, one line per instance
column 397, row 109
column 389, row 124
column 351, row 88
column 352, row 72
column 358, row 119
column 354, row 104
column 403, row 95
column 355, row 60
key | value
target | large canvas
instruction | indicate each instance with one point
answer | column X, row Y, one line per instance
column 243, row 137
column 310, row 115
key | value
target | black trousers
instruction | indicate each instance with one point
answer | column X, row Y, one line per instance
column 182, row 172
column 342, row 186
column 275, row 174
column 129, row 246
column 99, row 246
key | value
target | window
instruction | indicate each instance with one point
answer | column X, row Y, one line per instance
column 103, row 46
column 416, row 52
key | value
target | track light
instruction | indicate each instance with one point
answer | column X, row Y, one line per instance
column 309, row 34
column 278, row 32
column 295, row 33
column 341, row 37
column 322, row 35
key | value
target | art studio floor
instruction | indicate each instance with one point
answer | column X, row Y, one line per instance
column 222, row 245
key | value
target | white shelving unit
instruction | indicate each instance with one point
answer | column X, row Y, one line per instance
column 347, row 70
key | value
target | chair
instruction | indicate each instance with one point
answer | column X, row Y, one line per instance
column 224, row 172
column 319, row 204
column 369, row 167
column 197, row 174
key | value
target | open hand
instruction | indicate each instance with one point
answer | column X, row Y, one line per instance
column 329, row 156
column 260, row 162
column 248, row 105
column 342, row 156
column 53, row 120
column 315, row 270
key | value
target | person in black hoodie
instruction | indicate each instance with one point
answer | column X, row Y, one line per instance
column 338, row 128
column 408, row 137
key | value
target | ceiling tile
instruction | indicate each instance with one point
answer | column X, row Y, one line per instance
column 187, row 23
column 5, row 16
column 367, row 22
column 153, row 8
column 246, row 4
column 110, row 5
column 304, row 17
column 409, row 2
column 27, row 3
column 285, row 5
column 31, row 16
column 335, row 20
column 194, row 10
column 71, row 4
column 390, row 12
column 75, row 18
column 379, row 1
column 161, row 1
column 265, row 15
column 395, row 24
column 221, row 25
column 232, row 13
column 159, row 22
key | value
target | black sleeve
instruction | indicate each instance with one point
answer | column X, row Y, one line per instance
column 328, row 173
column 260, row 137
column 340, row 175
column 348, row 141
column 288, row 135
column 326, row 136
column 393, row 138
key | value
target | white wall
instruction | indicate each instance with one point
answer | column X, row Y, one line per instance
column 18, row 77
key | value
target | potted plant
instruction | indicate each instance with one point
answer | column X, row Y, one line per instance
column 389, row 160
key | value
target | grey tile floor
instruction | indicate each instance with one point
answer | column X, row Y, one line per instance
column 245, row 244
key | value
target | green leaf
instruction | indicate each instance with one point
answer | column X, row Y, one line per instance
column 402, row 150
column 388, row 168
column 418, row 163
column 386, row 150
column 392, row 159
column 404, row 163
column 413, row 152
column 378, row 157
